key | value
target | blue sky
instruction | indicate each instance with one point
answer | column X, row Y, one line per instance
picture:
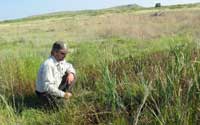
column 12, row 9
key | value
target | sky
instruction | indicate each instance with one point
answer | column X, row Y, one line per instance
column 13, row 9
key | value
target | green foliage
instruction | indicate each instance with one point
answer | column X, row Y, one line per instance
column 121, row 79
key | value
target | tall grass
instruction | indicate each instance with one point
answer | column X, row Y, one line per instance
column 120, row 81
column 132, row 67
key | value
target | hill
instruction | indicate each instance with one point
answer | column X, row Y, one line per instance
column 117, row 9
column 124, row 21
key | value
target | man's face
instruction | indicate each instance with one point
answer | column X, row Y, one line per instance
column 60, row 55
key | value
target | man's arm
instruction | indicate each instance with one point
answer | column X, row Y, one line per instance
column 71, row 73
column 70, row 68
column 49, row 80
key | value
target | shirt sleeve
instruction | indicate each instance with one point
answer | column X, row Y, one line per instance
column 49, row 80
column 70, row 68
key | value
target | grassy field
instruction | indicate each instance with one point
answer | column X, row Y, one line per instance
column 135, row 66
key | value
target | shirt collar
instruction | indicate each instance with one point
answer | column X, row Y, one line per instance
column 54, row 60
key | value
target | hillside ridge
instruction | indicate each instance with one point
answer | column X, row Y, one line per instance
column 116, row 9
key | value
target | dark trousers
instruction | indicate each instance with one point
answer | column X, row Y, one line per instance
column 47, row 100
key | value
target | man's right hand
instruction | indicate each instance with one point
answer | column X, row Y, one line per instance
column 67, row 95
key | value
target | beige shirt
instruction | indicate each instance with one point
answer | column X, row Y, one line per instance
column 50, row 76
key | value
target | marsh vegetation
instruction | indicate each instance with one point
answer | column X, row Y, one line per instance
column 133, row 67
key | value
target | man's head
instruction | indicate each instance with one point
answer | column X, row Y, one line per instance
column 59, row 50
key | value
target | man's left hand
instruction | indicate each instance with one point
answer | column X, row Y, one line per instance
column 70, row 78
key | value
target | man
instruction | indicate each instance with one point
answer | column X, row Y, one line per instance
column 55, row 77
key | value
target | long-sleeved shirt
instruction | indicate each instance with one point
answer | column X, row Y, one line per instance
column 50, row 76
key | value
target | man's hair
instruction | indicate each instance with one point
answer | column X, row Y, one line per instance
column 58, row 45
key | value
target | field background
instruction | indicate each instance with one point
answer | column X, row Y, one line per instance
column 135, row 66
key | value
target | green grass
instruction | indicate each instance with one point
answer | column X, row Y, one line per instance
column 129, row 83
column 122, row 79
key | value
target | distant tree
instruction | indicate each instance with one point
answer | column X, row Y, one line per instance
column 158, row 5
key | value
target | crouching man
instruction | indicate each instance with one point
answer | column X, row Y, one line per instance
column 56, row 77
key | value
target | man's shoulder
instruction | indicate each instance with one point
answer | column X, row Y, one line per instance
column 49, row 62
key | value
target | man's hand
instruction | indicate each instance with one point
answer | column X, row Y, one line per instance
column 67, row 95
column 70, row 78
